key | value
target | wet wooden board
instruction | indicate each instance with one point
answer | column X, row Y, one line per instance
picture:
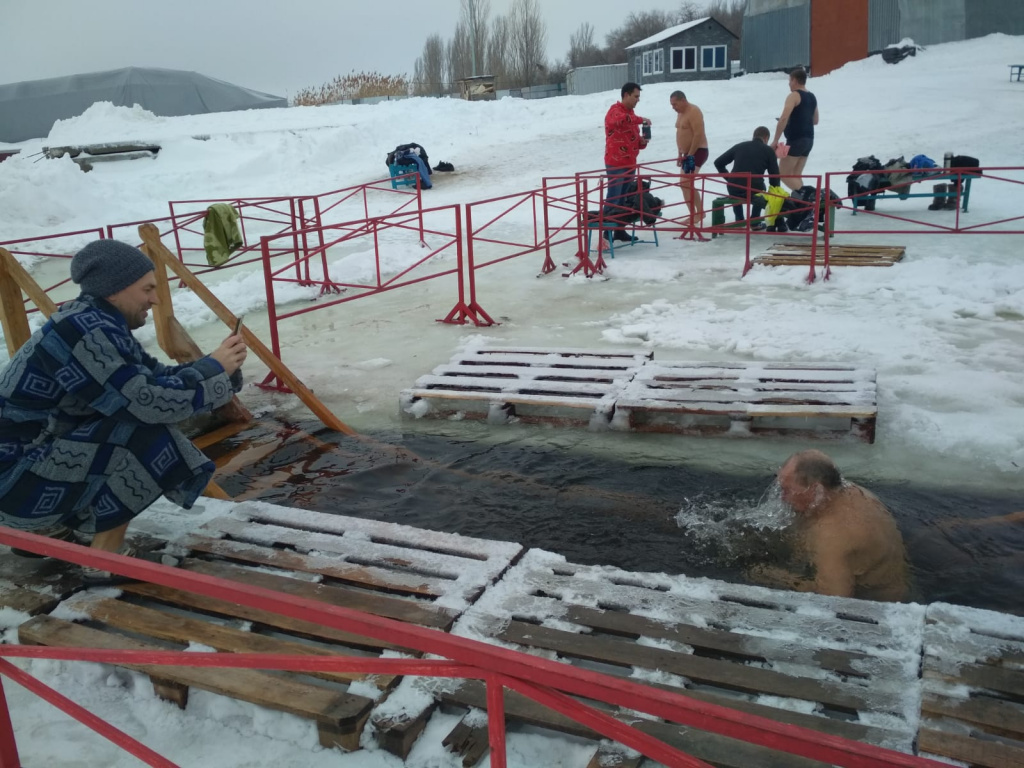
column 745, row 399
column 790, row 254
column 534, row 384
column 972, row 707
column 340, row 716
column 841, row 666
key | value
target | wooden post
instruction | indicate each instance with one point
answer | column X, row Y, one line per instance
column 175, row 340
column 13, row 317
column 157, row 251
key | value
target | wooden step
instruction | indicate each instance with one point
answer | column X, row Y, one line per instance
column 792, row 254
column 746, row 399
column 972, row 708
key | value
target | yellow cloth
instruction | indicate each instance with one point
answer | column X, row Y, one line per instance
column 774, row 198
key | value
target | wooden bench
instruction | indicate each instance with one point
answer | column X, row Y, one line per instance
column 744, row 399
column 1015, row 70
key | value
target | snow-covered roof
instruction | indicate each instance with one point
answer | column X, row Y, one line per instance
column 665, row 34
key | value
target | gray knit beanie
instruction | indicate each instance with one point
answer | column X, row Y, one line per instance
column 105, row 267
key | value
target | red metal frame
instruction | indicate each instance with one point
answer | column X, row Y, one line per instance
column 336, row 234
column 549, row 682
column 990, row 175
column 19, row 250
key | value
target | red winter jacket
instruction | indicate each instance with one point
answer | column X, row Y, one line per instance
column 622, row 142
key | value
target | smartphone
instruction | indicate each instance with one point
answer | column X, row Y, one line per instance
column 238, row 325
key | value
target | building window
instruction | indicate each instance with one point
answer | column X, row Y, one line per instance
column 712, row 57
column 638, row 68
column 684, row 59
column 647, row 62
column 658, row 58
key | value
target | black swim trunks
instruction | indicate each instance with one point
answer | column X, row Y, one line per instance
column 800, row 147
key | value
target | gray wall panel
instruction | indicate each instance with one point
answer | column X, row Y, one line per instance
column 883, row 24
column 777, row 40
column 929, row 22
column 987, row 16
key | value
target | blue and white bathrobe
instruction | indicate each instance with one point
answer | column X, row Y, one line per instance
column 87, row 424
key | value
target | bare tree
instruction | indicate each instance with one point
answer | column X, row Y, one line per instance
column 690, row 11
column 430, row 72
column 498, row 48
column 528, row 39
column 583, row 51
column 475, row 16
column 638, row 26
column 460, row 55
column 729, row 13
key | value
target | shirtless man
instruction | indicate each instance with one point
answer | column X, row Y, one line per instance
column 799, row 116
column 848, row 537
column 692, row 142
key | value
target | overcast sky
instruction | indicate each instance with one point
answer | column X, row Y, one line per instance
column 277, row 46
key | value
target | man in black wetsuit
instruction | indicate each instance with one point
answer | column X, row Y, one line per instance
column 756, row 158
column 799, row 116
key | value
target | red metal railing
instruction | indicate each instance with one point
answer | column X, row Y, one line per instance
column 443, row 225
column 27, row 246
column 548, row 682
column 854, row 202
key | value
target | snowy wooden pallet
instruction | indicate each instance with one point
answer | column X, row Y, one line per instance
column 790, row 254
column 972, row 707
column 413, row 575
column 744, row 399
column 840, row 666
column 531, row 384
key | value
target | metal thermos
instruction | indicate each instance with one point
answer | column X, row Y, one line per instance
column 647, row 132
column 947, row 160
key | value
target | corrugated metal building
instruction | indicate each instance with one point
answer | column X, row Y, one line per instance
column 825, row 34
column 607, row 77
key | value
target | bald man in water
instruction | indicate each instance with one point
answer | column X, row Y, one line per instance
column 847, row 536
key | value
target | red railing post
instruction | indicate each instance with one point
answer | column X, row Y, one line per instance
column 275, row 342
column 177, row 238
column 496, row 721
column 8, row 745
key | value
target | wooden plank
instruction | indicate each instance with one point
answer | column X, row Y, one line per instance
column 527, row 386
column 731, row 676
column 997, row 716
column 182, row 631
column 366, row 576
column 13, row 318
column 413, row 612
column 265, row 618
column 27, row 600
column 749, row 409
column 999, row 679
column 750, row 647
column 562, row 401
column 558, row 355
column 719, row 750
column 346, row 712
column 220, row 434
column 157, row 251
column 533, row 373
column 469, row 741
column 981, row 754
column 751, row 396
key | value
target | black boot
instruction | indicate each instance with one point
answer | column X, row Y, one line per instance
column 953, row 201
column 940, row 200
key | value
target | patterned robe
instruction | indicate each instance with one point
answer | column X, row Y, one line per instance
column 87, row 424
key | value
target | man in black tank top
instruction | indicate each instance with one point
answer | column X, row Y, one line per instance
column 799, row 116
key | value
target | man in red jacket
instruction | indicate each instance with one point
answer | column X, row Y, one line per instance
column 623, row 143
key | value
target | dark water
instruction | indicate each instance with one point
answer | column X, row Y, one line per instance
column 596, row 510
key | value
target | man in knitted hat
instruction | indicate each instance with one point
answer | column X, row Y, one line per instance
column 87, row 418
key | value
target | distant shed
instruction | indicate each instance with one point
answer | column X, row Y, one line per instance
column 606, row 77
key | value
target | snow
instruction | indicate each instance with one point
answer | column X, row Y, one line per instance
column 944, row 328
column 665, row 34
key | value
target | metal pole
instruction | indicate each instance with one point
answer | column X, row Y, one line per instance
column 8, row 747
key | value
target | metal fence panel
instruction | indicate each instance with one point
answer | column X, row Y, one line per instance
column 608, row 77
column 777, row 40
column 883, row 24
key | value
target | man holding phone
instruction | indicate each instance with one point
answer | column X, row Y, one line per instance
column 88, row 435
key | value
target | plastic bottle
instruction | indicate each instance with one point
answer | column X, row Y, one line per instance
column 947, row 160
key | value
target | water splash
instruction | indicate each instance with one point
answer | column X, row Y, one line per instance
column 729, row 530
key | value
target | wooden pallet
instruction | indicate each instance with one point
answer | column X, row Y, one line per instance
column 789, row 254
column 530, row 384
column 420, row 577
column 744, row 399
column 840, row 666
column 972, row 708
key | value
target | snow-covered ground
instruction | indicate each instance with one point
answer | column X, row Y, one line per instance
column 944, row 328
